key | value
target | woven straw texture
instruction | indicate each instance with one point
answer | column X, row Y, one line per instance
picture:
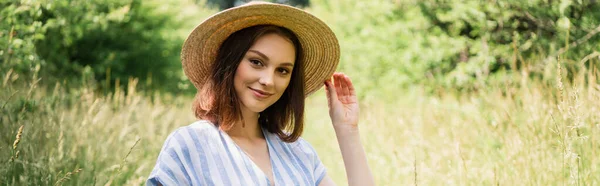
column 321, row 51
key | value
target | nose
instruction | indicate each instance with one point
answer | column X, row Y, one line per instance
column 266, row 79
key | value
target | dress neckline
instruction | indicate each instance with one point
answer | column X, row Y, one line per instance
column 247, row 157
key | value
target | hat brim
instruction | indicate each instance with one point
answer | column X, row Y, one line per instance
column 321, row 51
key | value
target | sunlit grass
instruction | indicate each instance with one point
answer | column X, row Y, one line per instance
column 534, row 135
column 538, row 134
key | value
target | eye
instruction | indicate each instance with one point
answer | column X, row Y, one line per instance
column 283, row 71
column 256, row 62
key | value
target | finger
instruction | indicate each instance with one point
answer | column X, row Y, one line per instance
column 348, row 86
column 330, row 91
column 326, row 83
column 343, row 87
column 351, row 91
column 338, row 84
column 345, row 84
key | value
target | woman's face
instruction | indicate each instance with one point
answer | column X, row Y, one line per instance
column 265, row 72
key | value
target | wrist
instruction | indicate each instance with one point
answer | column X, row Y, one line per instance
column 345, row 129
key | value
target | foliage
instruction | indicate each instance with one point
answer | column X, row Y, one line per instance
column 225, row 4
column 499, row 35
column 109, row 40
column 451, row 44
column 466, row 45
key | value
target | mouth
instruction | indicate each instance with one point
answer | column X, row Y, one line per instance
column 260, row 94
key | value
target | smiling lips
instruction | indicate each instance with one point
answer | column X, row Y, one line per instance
column 260, row 94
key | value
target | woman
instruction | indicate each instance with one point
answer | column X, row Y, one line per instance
column 253, row 66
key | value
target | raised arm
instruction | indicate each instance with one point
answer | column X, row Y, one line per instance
column 344, row 110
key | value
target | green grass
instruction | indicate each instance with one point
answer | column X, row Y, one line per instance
column 498, row 136
column 524, row 133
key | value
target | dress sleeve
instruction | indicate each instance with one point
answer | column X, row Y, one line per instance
column 319, row 170
column 169, row 169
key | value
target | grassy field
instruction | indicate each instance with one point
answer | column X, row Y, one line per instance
column 524, row 133
column 529, row 128
column 535, row 135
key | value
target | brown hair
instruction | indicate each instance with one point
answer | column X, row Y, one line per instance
column 217, row 101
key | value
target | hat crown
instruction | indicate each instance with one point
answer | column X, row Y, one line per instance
column 319, row 44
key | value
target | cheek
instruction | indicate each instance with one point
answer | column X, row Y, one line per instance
column 238, row 78
column 241, row 73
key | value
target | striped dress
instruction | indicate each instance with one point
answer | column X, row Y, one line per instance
column 201, row 154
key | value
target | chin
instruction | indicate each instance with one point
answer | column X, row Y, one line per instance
column 257, row 109
column 256, row 106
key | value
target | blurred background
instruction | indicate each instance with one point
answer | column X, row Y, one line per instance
column 451, row 92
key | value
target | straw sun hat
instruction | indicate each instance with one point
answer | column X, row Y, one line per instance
column 321, row 51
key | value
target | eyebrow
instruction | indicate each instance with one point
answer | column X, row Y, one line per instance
column 260, row 54
column 287, row 64
column 267, row 58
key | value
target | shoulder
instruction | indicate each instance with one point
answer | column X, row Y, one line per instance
column 200, row 130
column 201, row 127
column 175, row 163
column 303, row 146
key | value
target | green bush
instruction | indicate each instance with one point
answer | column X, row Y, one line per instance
column 500, row 35
column 390, row 46
column 113, row 39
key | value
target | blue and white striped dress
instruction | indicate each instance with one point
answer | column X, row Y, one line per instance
column 201, row 154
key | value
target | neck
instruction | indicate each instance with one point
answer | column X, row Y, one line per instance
column 247, row 127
